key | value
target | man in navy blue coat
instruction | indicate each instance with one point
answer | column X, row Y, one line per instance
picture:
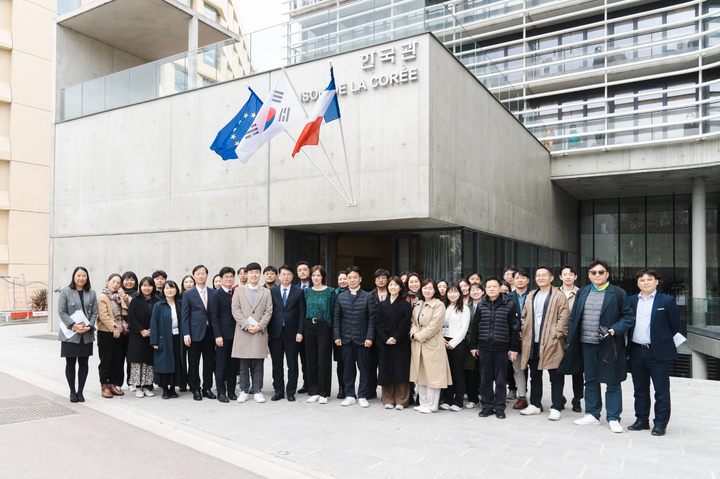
column 651, row 348
column 285, row 331
column 223, row 327
column 199, row 337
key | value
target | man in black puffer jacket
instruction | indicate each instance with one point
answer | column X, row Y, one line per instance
column 354, row 330
column 495, row 338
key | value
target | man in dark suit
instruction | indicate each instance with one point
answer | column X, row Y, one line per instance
column 223, row 327
column 199, row 337
column 651, row 348
column 599, row 306
column 286, row 331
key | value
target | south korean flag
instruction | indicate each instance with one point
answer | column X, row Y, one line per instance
column 281, row 110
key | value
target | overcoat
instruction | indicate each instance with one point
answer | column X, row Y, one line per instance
column 429, row 363
column 554, row 326
column 392, row 320
column 162, row 337
column 247, row 345
column 138, row 319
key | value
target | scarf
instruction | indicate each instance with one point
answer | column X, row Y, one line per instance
column 131, row 292
column 115, row 302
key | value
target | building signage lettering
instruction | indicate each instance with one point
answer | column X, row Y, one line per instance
column 407, row 53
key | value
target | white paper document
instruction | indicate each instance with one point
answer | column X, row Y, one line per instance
column 69, row 333
column 79, row 317
column 679, row 339
column 251, row 321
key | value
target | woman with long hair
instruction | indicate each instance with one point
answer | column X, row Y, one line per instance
column 454, row 330
column 429, row 367
column 140, row 352
column 166, row 339
column 319, row 307
column 464, row 288
column 414, row 283
column 77, row 336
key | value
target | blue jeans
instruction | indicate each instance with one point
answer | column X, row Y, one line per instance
column 593, row 395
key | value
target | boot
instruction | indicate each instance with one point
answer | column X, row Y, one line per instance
column 106, row 391
column 341, row 393
column 114, row 390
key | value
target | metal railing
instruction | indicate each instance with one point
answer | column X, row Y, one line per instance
column 704, row 314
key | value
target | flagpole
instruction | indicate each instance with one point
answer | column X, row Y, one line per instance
column 321, row 171
column 345, row 196
column 347, row 166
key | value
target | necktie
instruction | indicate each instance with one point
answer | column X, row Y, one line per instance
column 284, row 296
column 202, row 295
column 230, row 293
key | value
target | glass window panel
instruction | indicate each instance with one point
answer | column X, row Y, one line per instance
column 402, row 254
column 605, row 232
column 438, row 254
column 632, row 240
column 71, row 102
column 117, row 90
column 523, row 257
column 210, row 12
column 487, row 260
column 64, row 6
column 682, row 247
column 143, row 84
column 713, row 244
column 468, row 258
column 93, row 96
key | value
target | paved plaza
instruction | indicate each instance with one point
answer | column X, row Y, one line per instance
column 283, row 439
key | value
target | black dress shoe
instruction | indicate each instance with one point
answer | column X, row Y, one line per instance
column 291, row 397
column 209, row 394
column 486, row 413
column 638, row 426
column 576, row 407
column 73, row 397
column 80, row 397
column 197, row 396
column 500, row 414
column 183, row 390
column 657, row 431
column 277, row 397
column 341, row 394
column 172, row 393
column 302, row 390
column 232, row 396
column 223, row 398
column 166, row 394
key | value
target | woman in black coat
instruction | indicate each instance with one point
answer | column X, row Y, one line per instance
column 140, row 353
column 166, row 338
column 392, row 326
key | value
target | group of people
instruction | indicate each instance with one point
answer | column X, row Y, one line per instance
column 428, row 344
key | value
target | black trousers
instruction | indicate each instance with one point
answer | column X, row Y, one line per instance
column 557, row 383
column 303, row 360
column 125, row 344
column 111, row 358
column 204, row 349
column 454, row 393
column 226, row 368
column 373, row 357
column 340, row 366
column 493, row 369
column 284, row 349
column 472, row 385
column 354, row 353
column 644, row 368
column 578, row 385
column 318, row 352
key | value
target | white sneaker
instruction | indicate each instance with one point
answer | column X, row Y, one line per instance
column 139, row 393
column 424, row 410
column 313, row 399
column 131, row 388
column 389, row 406
column 445, row 406
column 455, row 408
column 259, row 397
column 530, row 411
column 555, row 415
column 470, row 405
column 588, row 420
column 148, row 393
column 323, row 400
column 363, row 402
column 399, row 407
column 615, row 426
column 349, row 401
column 242, row 397
column 417, row 408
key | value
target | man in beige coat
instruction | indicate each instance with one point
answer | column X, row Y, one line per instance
column 544, row 326
column 252, row 309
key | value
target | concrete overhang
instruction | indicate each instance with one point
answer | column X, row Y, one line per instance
column 705, row 340
column 149, row 29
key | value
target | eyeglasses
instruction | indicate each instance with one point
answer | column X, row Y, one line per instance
column 598, row 272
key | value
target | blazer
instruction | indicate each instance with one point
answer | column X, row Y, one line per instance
column 247, row 345
column 106, row 321
column 292, row 312
column 221, row 318
column 195, row 317
column 608, row 372
column 68, row 303
column 664, row 325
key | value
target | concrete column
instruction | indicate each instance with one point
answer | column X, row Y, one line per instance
column 699, row 365
column 699, row 264
column 192, row 53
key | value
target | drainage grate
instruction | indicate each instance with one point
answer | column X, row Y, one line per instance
column 30, row 408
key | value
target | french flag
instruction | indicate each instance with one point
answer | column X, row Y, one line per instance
column 326, row 110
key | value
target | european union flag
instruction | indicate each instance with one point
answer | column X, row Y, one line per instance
column 229, row 137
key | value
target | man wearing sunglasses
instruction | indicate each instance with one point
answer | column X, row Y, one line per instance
column 601, row 318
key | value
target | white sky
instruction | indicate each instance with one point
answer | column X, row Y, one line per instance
column 267, row 47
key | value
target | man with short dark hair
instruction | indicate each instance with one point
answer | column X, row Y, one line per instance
column 354, row 330
column 382, row 276
column 223, row 326
column 270, row 276
column 199, row 337
column 601, row 317
column 286, row 329
column 651, row 349
column 159, row 277
column 495, row 340
column 303, row 273
column 242, row 277
column 518, row 296
column 475, row 278
column 568, row 277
